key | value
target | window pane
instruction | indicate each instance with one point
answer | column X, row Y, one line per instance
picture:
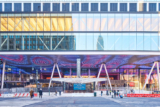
column 125, row 41
column 154, row 25
column 46, row 7
column 89, row 41
column 133, row 22
column 17, row 7
column 104, row 6
column 147, row 22
column 142, row 7
column 18, row 22
column 84, row 7
column 75, row 22
column 83, row 22
column 147, row 41
column 104, row 22
column 139, row 22
column 80, row 41
column 132, row 43
column 75, row 6
column 27, row 7
column 68, row 22
column 26, row 22
column 60, row 22
column 96, row 21
column 118, row 41
column 65, row 7
column 54, row 22
column 152, row 7
column 110, row 41
column 33, row 22
column 89, row 22
column 36, row 7
column 94, row 6
column 4, row 22
column 118, row 22
column 154, row 42
column 140, row 41
column 0, row 7
column 47, row 22
column 113, row 6
column 123, row 7
column 56, row 7
column 133, row 7
column 40, row 21
column 8, row 7
column 111, row 21
column 12, row 25
column 100, row 41
column 125, row 22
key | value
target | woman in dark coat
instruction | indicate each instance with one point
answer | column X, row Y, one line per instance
column 40, row 93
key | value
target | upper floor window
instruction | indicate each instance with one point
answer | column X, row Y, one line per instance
column 104, row 6
column 123, row 7
column 94, row 6
column 46, row 7
column 84, row 7
column 27, row 7
column 36, row 7
column 56, row 7
column 8, row 7
column 17, row 7
column 75, row 6
column 0, row 7
column 113, row 6
column 133, row 7
column 65, row 7
column 152, row 7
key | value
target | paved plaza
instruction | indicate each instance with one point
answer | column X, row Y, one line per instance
column 80, row 102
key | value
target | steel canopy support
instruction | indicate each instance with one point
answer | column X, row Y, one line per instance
column 107, row 76
column 51, row 76
column 149, row 75
column 158, row 76
column 55, row 65
column 3, row 72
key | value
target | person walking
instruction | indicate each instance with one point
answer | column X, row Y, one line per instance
column 101, row 93
column 31, row 94
column 115, row 93
column 40, row 93
column 110, row 92
column 59, row 93
column 56, row 92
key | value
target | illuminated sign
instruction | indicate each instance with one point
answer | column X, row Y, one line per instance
column 79, row 86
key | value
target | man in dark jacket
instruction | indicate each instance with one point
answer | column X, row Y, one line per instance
column 40, row 93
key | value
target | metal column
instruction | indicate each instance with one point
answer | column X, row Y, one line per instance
column 158, row 76
column 107, row 76
column 149, row 75
column 3, row 72
column 51, row 76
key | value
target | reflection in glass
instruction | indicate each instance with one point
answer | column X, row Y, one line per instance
column 147, row 22
column 147, row 41
column 40, row 21
column 104, row 22
column 133, row 22
column 125, row 41
column 83, row 22
column 154, row 25
column 154, row 42
column 118, row 41
column 118, row 22
column 47, row 22
column 132, row 45
column 139, row 22
column 111, row 21
column 100, row 43
column 90, row 22
column 110, row 41
column 140, row 41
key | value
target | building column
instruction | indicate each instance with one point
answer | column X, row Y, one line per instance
column 80, row 7
column 2, row 6
column 31, row 6
column 12, row 7
column 118, row 6
column 60, row 6
column 99, row 5
column 51, row 6
column 70, row 6
column 3, row 73
column 128, row 6
column 89, row 6
column 22, row 9
column 41, row 7
column 147, row 6
column 109, row 6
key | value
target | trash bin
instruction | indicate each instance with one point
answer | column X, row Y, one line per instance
column 95, row 94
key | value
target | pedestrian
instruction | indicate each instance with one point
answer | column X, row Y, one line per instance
column 110, row 92
column 115, row 93
column 56, row 92
column 40, row 93
column 31, row 94
column 106, row 92
column 59, row 93
column 101, row 93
